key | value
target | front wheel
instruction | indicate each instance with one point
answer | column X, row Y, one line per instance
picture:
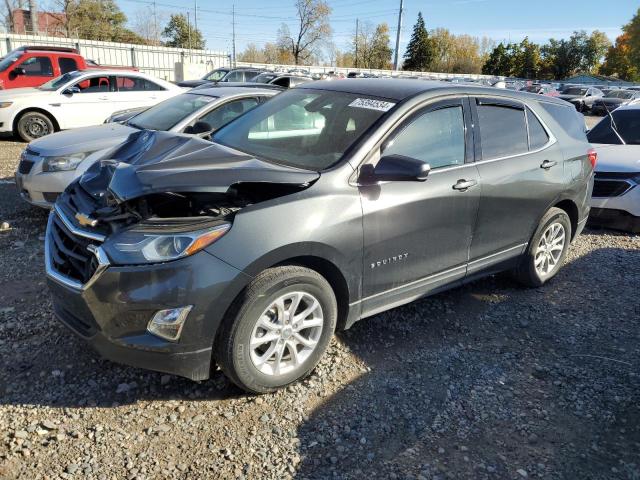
column 32, row 125
column 547, row 250
column 278, row 330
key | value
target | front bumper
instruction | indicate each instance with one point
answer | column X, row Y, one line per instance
column 42, row 188
column 112, row 310
column 614, row 219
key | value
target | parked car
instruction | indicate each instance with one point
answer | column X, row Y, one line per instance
column 541, row 89
column 616, row 192
column 31, row 66
column 224, row 75
column 284, row 80
column 331, row 202
column 581, row 97
column 78, row 99
column 48, row 165
column 614, row 99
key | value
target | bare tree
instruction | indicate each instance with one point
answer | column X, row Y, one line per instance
column 8, row 6
column 149, row 25
column 313, row 30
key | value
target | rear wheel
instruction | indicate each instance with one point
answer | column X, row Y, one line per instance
column 32, row 125
column 547, row 250
column 278, row 330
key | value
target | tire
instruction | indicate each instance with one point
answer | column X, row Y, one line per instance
column 32, row 125
column 242, row 362
column 527, row 272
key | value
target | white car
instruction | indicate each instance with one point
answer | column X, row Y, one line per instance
column 78, row 99
column 615, row 201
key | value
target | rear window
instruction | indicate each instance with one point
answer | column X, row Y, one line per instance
column 67, row 64
column 503, row 131
column 568, row 119
column 628, row 127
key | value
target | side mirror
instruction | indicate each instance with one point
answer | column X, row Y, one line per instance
column 200, row 127
column 71, row 90
column 19, row 71
column 396, row 168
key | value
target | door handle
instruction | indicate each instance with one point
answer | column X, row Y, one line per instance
column 547, row 164
column 103, row 98
column 464, row 185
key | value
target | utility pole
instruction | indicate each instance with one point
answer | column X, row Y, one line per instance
column 233, row 35
column 395, row 57
column 195, row 15
column 189, row 32
column 356, row 62
column 155, row 24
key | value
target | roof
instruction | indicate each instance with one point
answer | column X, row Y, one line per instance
column 399, row 89
column 226, row 91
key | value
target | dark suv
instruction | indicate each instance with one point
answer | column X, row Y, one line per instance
column 327, row 204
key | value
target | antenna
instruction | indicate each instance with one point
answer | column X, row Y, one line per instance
column 395, row 57
column 233, row 29
column 356, row 62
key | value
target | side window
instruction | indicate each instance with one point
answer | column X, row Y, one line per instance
column 282, row 82
column 503, row 131
column 37, row 67
column 67, row 65
column 152, row 87
column 94, row 85
column 236, row 76
column 227, row 112
column 129, row 84
column 435, row 137
column 537, row 134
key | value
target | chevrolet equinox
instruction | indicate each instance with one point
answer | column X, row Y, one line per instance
column 329, row 203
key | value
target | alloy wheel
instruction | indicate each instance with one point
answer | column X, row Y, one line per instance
column 286, row 333
column 550, row 249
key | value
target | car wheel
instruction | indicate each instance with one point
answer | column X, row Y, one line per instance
column 546, row 250
column 32, row 125
column 277, row 330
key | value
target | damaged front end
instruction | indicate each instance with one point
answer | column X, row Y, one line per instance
column 161, row 196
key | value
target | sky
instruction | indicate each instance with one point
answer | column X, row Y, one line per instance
column 257, row 21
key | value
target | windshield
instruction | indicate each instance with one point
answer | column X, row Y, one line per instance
column 533, row 89
column 60, row 81
column 575, row 91
column 9, row 60
column 619, row 94
column 216, row 75
column 309, row 129
column 628, row 123
column 165, row 115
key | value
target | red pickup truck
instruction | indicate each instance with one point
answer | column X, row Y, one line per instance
column 31, row 66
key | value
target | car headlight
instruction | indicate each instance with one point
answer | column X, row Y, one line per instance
column 5, row 104
column 63, row 162
column 137, row 246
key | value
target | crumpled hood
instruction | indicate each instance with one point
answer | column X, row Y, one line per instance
column 84, row 139
column 618, row 158
column 153, row 162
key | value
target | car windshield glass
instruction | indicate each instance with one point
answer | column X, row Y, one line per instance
column 165, row 115
column 628, row 123
column 58, row 82
column 9, row 60
column 309, row 129
column 575, row 91
column 215, row 75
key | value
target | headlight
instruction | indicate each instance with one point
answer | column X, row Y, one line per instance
column 5, row 104
column 137, row 247
column 64, row 162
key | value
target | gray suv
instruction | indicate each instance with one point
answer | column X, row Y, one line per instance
column 329, row 203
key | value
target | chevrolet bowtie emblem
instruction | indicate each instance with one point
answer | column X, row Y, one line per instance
column 86, row 220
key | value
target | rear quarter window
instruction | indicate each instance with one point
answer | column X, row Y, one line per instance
column 568, row 119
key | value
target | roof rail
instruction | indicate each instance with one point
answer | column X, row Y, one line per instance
column 47, row 48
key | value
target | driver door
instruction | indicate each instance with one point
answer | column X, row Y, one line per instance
column 91, row 102
column 417, row 235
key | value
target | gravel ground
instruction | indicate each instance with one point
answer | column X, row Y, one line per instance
column 486, row 381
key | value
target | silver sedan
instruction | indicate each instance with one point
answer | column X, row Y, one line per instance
column 49, row 164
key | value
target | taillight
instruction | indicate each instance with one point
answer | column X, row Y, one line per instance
column 592, row 155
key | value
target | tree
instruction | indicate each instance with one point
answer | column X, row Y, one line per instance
column 500, row 61
column 455, row 53
column 312, row 30
column 419, row 54
column 251, row 54
column 179, row 33
column 148, row 25
column 632, row 31
column 373, row 47
column 595, row 48
column 618, row 61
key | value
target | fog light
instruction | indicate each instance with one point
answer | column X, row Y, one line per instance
column 168, row 324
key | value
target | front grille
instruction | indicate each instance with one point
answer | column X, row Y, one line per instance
column 609, row 188
column 69, row 254
column 25, row 166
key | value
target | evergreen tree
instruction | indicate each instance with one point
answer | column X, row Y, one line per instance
column 179, row 33
column 420, row 51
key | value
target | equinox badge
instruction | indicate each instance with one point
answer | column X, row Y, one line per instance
column 387, row 261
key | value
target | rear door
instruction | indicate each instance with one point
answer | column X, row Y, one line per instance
column 522, row 173
column 417, row 234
